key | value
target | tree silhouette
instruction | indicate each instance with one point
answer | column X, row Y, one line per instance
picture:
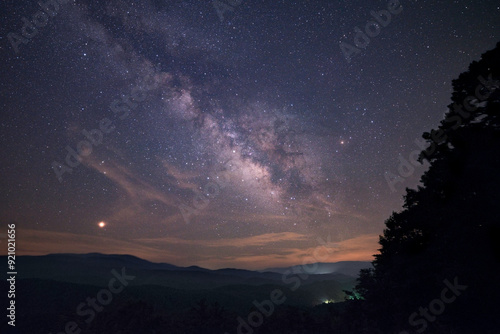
column 449, row 225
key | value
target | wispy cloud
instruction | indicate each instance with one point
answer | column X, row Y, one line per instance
column 36, row 242
column 361, row 248
column 257, row 252
column 137, row 189
column 254, row 241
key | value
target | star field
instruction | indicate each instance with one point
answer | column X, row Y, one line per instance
column 221, row 142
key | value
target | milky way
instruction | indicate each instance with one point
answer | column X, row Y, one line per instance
column 220, row 140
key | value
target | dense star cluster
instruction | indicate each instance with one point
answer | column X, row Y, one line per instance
column 221, row 133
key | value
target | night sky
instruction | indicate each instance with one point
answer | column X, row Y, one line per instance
column 198, row 133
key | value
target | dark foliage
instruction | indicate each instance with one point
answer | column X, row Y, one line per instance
column 449, row 227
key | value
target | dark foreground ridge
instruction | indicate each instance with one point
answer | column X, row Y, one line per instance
column 100, row 293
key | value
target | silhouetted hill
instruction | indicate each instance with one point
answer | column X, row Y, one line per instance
column 52, row 287
column 94, row 269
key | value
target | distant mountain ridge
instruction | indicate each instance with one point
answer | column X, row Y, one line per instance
column 54, row 285
column 94, row 269
column 99, row 260
column 349, row 268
